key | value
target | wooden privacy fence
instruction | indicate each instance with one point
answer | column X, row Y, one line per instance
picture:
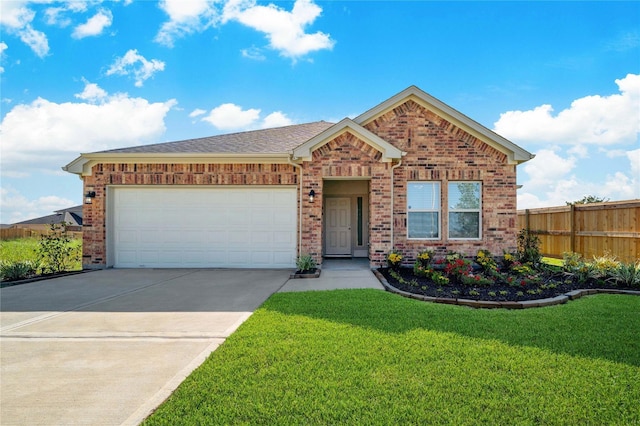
column 589, row 229
column 13, row 233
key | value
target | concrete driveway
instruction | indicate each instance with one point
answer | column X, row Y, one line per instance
column 107, row 347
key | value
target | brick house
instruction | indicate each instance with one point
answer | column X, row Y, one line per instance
column 410, row 173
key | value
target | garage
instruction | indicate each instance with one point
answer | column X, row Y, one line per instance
column 196, row 227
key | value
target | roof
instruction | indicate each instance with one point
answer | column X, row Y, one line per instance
column 71, row 215
column 295, row 142
column 266, row 141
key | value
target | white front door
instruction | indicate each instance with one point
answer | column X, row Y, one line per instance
column 338, row 226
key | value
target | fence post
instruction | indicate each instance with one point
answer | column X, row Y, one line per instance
column 572, row 221
column 526, row 220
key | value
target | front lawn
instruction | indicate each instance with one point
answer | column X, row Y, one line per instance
column 370, row 357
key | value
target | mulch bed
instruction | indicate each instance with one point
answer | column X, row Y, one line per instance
column 499, row 293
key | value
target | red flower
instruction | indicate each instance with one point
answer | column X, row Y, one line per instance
column 523, row 283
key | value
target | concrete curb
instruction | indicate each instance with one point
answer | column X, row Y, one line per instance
column 488, row 304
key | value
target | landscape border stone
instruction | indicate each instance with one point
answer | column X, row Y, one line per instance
column 4, row 284
column 489, row 304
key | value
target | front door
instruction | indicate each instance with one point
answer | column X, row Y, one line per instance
column 338, row 226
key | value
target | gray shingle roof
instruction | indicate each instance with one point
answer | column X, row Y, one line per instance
column 71, row 215
column 266, row 141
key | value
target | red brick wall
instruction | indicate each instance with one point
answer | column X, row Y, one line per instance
column 347, row 157
column 438, row 150
column 94, row 229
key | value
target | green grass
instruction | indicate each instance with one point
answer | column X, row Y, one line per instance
column 23, row 249
column 370, row 357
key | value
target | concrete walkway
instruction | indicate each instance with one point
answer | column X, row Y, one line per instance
column 108, row 347
column 337, row 274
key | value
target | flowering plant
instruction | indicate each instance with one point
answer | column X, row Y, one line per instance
column 424, row 258
column 394, row 259
column 507, row 260
column 484, row 258
column 457, row 268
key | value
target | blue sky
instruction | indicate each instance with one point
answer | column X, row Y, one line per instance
column 560, row 79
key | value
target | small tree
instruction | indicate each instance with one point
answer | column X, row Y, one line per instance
column 55, row 251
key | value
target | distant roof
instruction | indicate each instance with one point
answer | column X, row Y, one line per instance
column 266, row 141
column 72, row 215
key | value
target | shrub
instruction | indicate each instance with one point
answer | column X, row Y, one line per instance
column 420, row 270
column 529, row 248
column 605, row 265
column 305, row 263
column 55, row 252
column 17, row 270
column 626, row 275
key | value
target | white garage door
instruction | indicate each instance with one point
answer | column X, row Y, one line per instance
column 171, row 227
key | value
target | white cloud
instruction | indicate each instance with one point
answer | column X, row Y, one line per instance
column 45, row 135
column 197, row 112
column 551, row 179
column 16, row 207
column 15, row 14
column 36, row 40
column 276, row 119
column 94, row 25
column 253, row 53
column 230, row 116
column 16, row 17
column 3, row 47
column 284, row 30
column 548, row 167
column 185, row 17
column 92, row 93
column 634, row 160
column 137, row 65
column 602, row 120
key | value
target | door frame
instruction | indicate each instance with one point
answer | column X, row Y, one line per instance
column 354, row 189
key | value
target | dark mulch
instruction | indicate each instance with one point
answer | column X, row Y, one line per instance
column 552, row 284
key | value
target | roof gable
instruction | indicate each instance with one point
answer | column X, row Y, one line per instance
column 514, row 153
column 389, row 152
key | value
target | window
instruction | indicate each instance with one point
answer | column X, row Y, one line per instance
column 423, row 210
column 464, row 210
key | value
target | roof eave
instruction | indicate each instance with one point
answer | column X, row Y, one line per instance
column 304, row 151
column 83, row 165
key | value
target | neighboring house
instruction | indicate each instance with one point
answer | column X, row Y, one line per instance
column 409, row 174
column 72, row 216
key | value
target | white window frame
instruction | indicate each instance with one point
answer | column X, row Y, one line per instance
column 450, row 210
column 438, row 210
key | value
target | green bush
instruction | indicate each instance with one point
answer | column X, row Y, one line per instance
column 17, row 270
column 627, row 275
column 305, row 263
column 56, row 251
